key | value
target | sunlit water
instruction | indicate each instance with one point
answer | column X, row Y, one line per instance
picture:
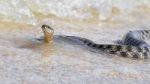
column 23, row 59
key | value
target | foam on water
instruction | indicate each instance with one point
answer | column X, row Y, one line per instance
column 25, row 11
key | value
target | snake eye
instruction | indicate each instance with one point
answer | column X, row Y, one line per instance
column 46, row 26
column 49, row 27
column 43, row 26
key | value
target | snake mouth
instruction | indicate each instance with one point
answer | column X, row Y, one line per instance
column 48, row 33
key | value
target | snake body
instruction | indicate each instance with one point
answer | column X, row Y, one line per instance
column 129, row 51
column 133, row 45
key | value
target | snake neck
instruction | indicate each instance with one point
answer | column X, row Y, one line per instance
column 47, row 37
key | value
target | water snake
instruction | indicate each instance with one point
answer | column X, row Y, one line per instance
column 133, row 45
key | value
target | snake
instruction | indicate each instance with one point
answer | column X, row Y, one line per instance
column 48, row 33
column 133, row 44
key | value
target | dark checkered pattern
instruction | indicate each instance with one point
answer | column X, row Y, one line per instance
column 134, row 45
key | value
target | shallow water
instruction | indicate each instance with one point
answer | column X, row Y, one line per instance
column 23, row 59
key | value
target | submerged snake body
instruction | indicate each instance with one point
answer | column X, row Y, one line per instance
column 137, row 38
column 133, row 44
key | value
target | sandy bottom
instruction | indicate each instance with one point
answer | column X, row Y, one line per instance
column 24, row 60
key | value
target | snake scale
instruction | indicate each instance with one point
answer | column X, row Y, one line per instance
column 133, row 45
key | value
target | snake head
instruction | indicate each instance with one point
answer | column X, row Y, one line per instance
column 48, row 33
column 47, row 29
